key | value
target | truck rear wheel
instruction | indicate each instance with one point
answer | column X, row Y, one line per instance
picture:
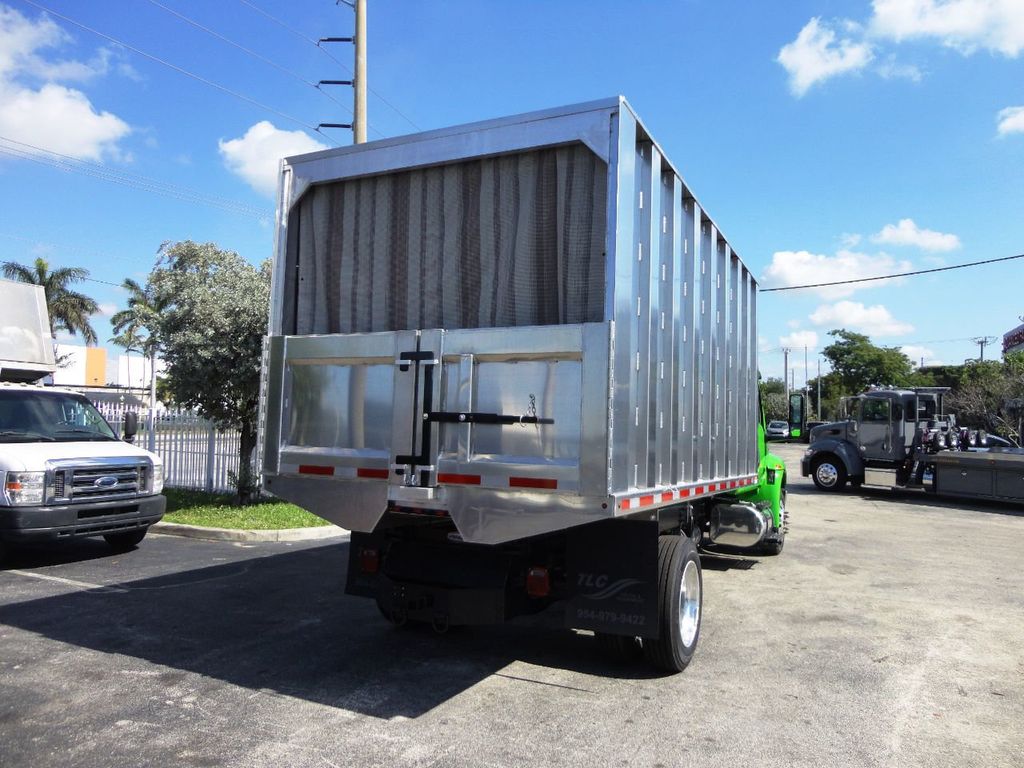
column 828, row 473
column 680, row 588
column 122, row 542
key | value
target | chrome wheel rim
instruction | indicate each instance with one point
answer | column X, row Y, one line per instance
column 827, row 474
column 689, row 603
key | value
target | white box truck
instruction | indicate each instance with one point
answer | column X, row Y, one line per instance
column 65, row 474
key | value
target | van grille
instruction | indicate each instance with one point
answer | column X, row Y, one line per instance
column 100, row 483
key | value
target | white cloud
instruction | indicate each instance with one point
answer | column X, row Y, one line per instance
column 42, row 118
column 1011, row 120
column 966, row 25
column 799, row 340
column 874, row 321
column 891, row 69
column 817, row 55
column 106, row 309
column 52, row 116
column 918, row 353
column 256, row 155
column 804, row 267
column 906, row 232
column 826, row 49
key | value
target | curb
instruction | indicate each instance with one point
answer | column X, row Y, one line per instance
column 227, row 534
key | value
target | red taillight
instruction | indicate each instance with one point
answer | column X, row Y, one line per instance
column 369, row 560
column 538, row 583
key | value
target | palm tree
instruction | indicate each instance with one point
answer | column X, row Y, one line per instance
column 144, row 313
column 130, row 341
column 69, row 310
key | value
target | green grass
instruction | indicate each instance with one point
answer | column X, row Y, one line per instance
column 215, row 510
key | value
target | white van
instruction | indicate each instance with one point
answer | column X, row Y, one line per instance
column 64, row 473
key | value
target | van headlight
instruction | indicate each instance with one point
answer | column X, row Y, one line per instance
column 157, row 483
column 22, row 488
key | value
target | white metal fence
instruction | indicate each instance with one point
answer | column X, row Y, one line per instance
column 196, row 453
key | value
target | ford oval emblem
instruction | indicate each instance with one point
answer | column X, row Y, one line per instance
column 107, row 481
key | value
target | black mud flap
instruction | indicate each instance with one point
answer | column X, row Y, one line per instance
column 359, row 581
column 435, row 583
column 613, row 577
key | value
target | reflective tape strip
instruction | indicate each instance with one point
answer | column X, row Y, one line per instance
column 368, row 472
column 533, row 482
column 449, row 478
column 315, row 469
column 665, row 497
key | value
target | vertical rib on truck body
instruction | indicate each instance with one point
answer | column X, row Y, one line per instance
column 528, row 324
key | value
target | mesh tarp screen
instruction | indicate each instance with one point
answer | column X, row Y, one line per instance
column 504, row 241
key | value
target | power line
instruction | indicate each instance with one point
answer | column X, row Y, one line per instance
column 68, row 248
column 52, row 159
column 890, row 277
column 333, row 58
column 254, row 54
column 180, row 70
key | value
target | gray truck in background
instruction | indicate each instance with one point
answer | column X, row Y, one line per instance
column 902, row 438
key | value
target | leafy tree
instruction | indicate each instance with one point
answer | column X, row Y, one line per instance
column 773, row 385
column 776, row 408
column 858, row 364
column 211, row 327
column 69, row 310
column 990, row 394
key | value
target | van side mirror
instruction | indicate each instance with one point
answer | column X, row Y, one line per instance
column 131, row 426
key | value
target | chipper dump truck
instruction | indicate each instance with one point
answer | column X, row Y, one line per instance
column 902, row 438
column 518, row 360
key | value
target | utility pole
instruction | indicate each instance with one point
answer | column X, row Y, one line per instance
column 807, row 370
column 359, row 102
column 358, row 81
column 785, row 371
column 982, row 342
column 819, row 388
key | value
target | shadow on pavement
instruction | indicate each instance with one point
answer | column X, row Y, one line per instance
column 916, row 498
column 281, row 624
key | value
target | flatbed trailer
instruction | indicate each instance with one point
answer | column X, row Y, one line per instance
column 518, row 360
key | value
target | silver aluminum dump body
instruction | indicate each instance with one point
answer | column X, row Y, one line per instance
column 527, row 323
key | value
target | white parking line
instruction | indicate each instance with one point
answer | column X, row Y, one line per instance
column 68, row 582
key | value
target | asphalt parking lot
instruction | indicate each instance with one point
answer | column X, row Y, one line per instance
column 890, row 632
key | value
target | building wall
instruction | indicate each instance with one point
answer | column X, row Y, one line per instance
column 1013, row 341
column 80, row 366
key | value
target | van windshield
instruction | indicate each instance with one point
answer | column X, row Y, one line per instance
column 31, row 415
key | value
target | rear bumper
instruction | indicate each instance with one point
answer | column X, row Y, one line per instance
column 25, row 524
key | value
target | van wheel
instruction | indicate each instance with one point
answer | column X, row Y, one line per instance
column 680, row 588
column 122, row 542
column 828, row 473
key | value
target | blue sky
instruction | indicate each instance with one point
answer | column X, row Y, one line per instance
column 829, row 140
